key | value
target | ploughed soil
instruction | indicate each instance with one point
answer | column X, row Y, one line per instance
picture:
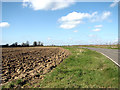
column 29, row 64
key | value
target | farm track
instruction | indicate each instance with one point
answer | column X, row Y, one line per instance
column 30, row 64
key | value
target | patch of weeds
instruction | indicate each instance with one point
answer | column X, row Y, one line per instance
column 63, row 71
column 113, row 74
column 32, row 87
column 19, row 82
column 100, row 65
column 3, row 86
column 60, row 78
column 11, row 85
column 80, row 73
column 41, row 71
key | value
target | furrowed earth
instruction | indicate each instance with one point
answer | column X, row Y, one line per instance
column 28, row 65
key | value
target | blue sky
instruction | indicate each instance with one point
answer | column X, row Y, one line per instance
column 68, row 24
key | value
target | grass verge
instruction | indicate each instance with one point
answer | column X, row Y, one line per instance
column 101, row 46
column 83, row 69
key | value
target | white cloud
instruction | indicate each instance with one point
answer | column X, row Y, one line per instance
column 96, row 29
column 73, row 19
column 114, row 3
column 75, row 31
column 25, row 3
column 69, row 24
column 47, row 4
column 75, row 16
column 4, row 24
column 98, row 26
column 105, row 15
column 101, row 17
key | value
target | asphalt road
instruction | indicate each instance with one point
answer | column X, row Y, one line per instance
column 112, row 54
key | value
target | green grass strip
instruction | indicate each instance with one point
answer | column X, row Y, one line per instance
column 83, row 69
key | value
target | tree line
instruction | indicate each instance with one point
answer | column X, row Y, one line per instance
column 26, row 44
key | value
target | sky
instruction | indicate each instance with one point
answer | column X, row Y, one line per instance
column 59, row 23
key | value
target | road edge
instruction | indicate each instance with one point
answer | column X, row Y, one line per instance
column 110, row 59
column 105, row 56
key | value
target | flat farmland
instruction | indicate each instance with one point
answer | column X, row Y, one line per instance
column 57, row 67
column 29, row 64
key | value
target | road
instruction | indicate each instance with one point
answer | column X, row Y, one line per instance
column 112, row 54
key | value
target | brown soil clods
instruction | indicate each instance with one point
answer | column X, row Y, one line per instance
column 30, row 63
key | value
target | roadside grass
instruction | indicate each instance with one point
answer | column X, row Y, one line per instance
column 101, row 46
column 82, row 69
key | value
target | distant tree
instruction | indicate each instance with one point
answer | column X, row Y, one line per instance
column 39, row 43
column 27, row 43
column 7, row 45
column 15, row 44
column 52, row 45
column 23, row 44
column 34, row 43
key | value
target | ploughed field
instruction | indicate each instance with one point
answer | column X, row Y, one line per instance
column 30, row 63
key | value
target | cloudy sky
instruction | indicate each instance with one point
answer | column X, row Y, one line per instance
column 59, row 23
